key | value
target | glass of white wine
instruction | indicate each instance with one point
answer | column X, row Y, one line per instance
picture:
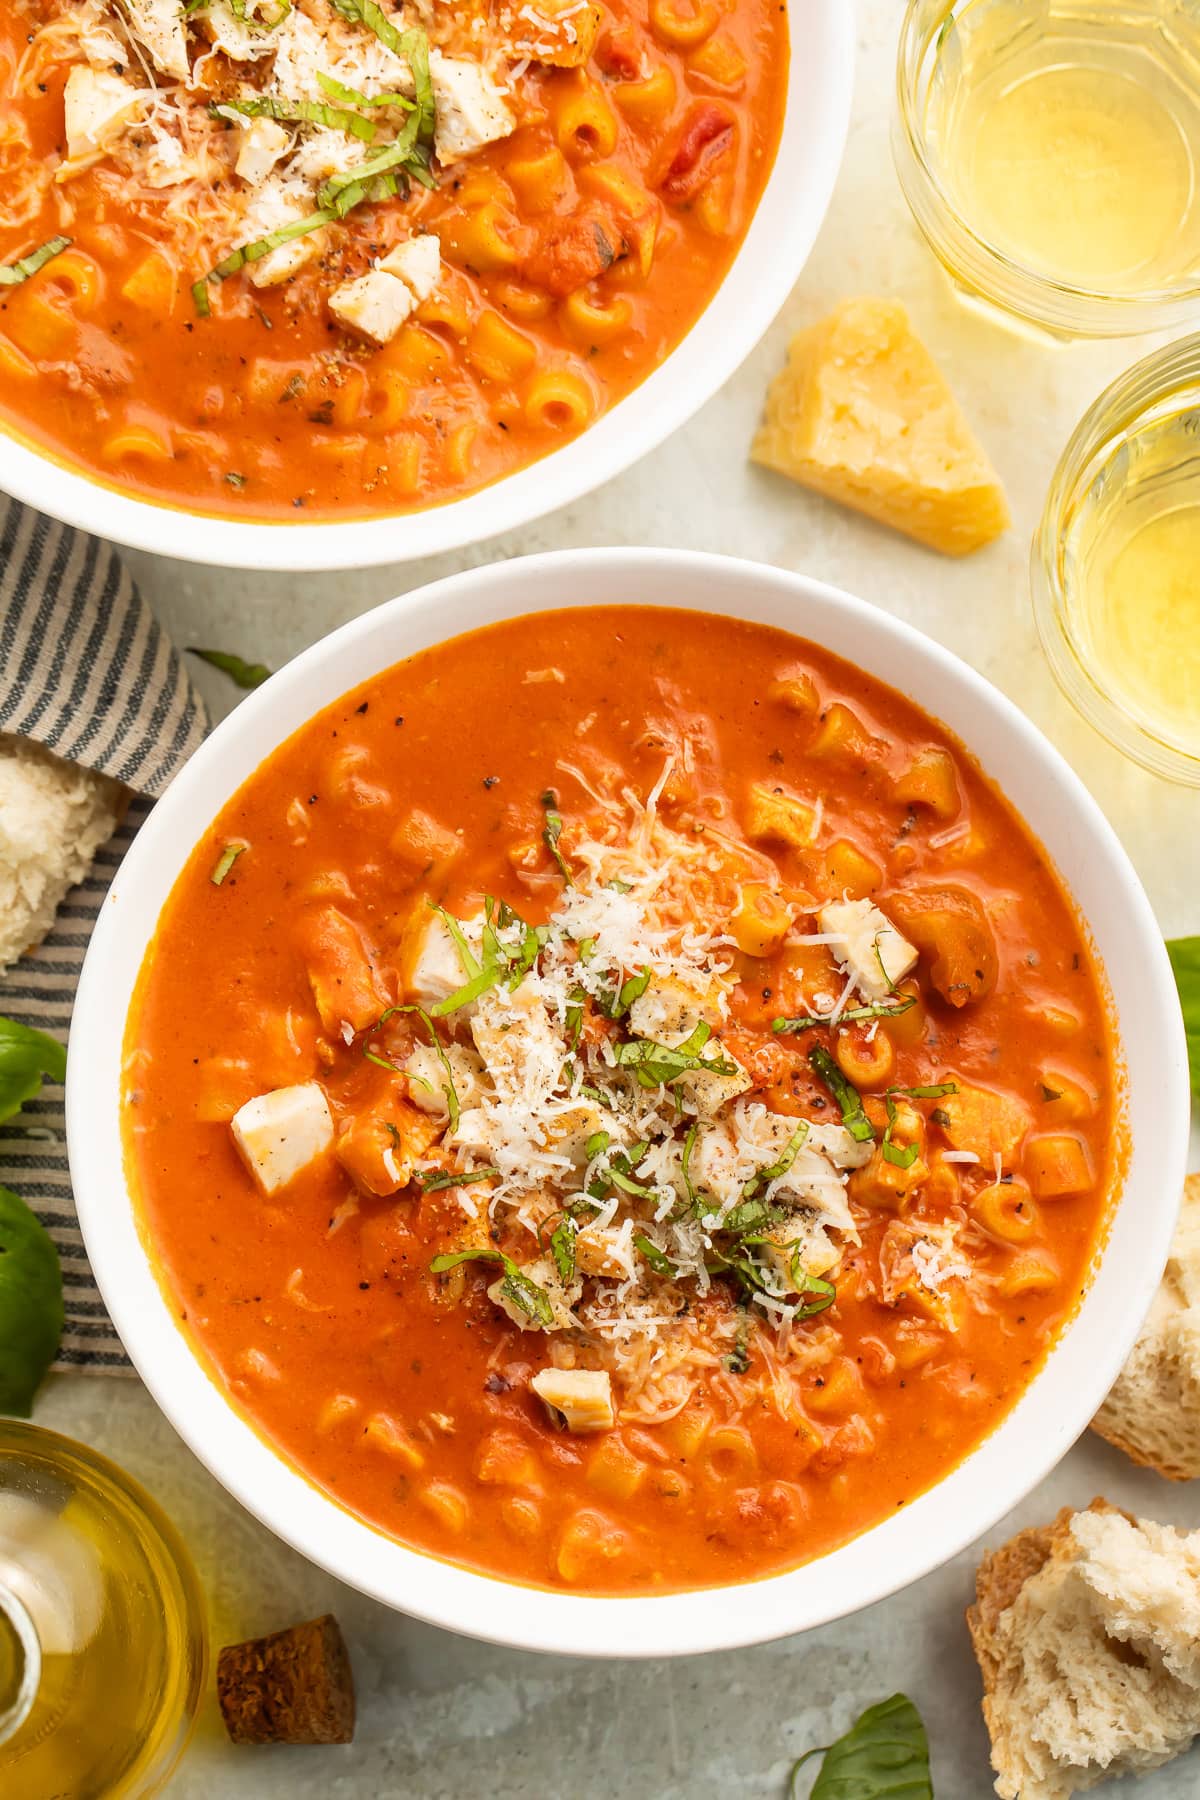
column 1050, row 152
column 1116, row 564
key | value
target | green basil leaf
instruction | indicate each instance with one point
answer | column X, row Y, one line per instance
column 1185, row 960
column 884, row 1756
column 659, row 1261
column 431, row 1180
column 848, row 1098
column 807, row 1022
column 26, row 1056
column 562, row 1247
column 245, row 674
column 518, row 1287
column 552, row 831
column 13, row 274
column 31, row 1304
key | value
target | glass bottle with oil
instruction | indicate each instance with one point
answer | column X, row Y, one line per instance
column 102, row 1635
column 1059, row 144
column 1117, row 564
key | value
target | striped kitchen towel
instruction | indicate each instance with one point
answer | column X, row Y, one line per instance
column 87, row 671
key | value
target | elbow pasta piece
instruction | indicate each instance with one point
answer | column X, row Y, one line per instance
column 866, row 1061
column 1006, row 1210
column 559, row 401
column 521, row 1515
column 686, row 1432
column 402, row 471
column 836, row 1389
column 595, row 318
column 447, row 1504
column 383, row 1432
column 339, row 1409
column 715, row 205
column 760, row 921
column 542, row 183
column 1029, row 1272
column 651, row 101
column 498, row 350
column 585, row 125
column 505, row 1460
column 478, row 241
column 448, row 305
column 587, row 1547
column 345, row 402
column 386, row 400
column 931, row 780
column 614, row 1471
column 849, row 872
column 75, row 274
column 419, row 356
column 729, row 1453
column 460, row 443
column 42, row 328
column 686, row 28
column 1065, row 1099
column 135, row 443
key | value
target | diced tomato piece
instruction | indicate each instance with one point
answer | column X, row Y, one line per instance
column 705, row 141
column 576, row 250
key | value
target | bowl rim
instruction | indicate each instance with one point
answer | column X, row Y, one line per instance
column 930, row 1529
column 760, row 277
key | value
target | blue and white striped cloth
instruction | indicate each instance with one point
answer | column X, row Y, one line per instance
column 87, row 671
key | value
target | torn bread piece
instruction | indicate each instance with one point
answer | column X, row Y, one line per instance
column 1087, row 1633
column 1153, row 1411
column 54, row 816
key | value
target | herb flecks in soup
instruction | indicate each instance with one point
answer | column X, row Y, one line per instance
column 354, row 258
column 637, row 1143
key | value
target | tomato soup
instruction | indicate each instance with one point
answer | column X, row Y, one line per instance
column 621, row 1101
column 342, row 258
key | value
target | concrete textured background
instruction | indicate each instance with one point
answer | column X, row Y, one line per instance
column 443, row 1718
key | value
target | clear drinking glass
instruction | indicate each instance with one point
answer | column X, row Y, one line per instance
column 1116, row 564
column 103, row 1646
column 1050, row 152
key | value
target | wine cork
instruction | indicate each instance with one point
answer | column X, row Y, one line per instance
column 293, row 1687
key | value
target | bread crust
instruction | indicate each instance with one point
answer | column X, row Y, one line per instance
column 1148, row 1388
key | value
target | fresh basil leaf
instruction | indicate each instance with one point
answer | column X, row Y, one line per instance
column 225, row 862
column 431, row 1180
column 245, row 674
column 1185, row 960
column 552, row 831
column 562, row 1247
column 811, row 1022
column 848, row 1098
column 884, row 1756
column 658, row 1065
column 775, row 1170
column 31, row 1304
column 13, row 274
column 449, row 1091
column 26, row 1057
column 659, row 1261
column 738, row 1360
column 518, row 1287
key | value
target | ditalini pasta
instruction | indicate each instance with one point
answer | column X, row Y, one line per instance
column 637, row 1146
column 464, row 228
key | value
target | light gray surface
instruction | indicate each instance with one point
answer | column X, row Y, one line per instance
column 442, row 1718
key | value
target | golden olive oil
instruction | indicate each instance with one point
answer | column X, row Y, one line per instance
column 102, row 1641
column 1067, row 132
column 1132, row 577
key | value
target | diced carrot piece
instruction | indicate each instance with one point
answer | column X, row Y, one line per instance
column 1058, row 1164
column 931, row 780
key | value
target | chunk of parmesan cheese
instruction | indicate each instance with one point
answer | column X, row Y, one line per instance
column 279, row 1134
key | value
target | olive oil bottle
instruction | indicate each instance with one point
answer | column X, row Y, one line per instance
column 102, row 1635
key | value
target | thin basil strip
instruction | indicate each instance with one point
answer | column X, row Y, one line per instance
column 851, row 1016
column 518, row 1287
column 430, row 1181
column 848, row 1098
column 562, row 1247
column 13, row 274
column 449, row 1092
column 904, row 1156
column 226, row 861
column 658, row 1259
column 411, row 45
column 299, row 112
column 551, row 833
column 349, row 96
column 658, row 1065
column 791, row 1151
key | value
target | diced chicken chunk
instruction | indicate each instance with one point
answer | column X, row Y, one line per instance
column 471, row 110
column 159, row 26
column 583, row 1398
column 520, row 1048
column 427, row 1079
column 435, row 969
column 341, row 972
column 835, row 1142
column 375, row 305
column 264, row 141
column 598, row 1251
column 800, row 1246
column 704, row 1091
column 417, row 262
column 563, row 37
column 670, row 1009
column 279, row 1134
column 990, row 1124
column 570, row 1132
column 241, row 40
column 871, row 948
column 98, row 106
column 379, row 1148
